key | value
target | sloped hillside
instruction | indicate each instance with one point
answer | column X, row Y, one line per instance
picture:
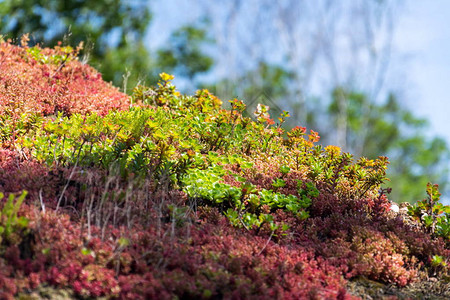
column 169, row 196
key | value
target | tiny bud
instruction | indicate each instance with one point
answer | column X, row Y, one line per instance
column 395, row 208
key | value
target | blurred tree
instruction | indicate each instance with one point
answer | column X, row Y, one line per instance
column 114, row 31
column 323, row 43
column 391, row 130
column 184, row 56
column 267, row 84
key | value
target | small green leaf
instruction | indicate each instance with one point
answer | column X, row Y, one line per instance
column 285, row 169
column 124, row 242
column 86, row 251
column 278, row 183
column 23, row 222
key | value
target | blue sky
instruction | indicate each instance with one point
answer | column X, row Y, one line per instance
column 423, row 38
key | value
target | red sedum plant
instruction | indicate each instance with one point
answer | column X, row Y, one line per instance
column 39, row 81
column 163, row 196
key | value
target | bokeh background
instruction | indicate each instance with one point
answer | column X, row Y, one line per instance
column 370, row 75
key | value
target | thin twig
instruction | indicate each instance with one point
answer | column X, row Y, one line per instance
column 267, row 243
column 41, row 201
column 70, row 177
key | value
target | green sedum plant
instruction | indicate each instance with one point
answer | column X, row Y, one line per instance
column 431, row 213
column 245, row 205
column 10, row 223
column 211, row 153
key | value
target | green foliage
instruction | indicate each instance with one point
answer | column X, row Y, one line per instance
column 126, row 66
column 63, row 55
column 278, row 183
column 183, row 55
column 10, row 223
column 392, row 130
column 372, row 129
column 432, row 214
column 134, row 141
column 114, row 29
column 244, row 205
column 12, row 127
column 267, row 84
column 192, row 143
column 438, row 261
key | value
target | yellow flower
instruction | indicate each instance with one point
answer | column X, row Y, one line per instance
column 166, row 77
column 333, row 150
